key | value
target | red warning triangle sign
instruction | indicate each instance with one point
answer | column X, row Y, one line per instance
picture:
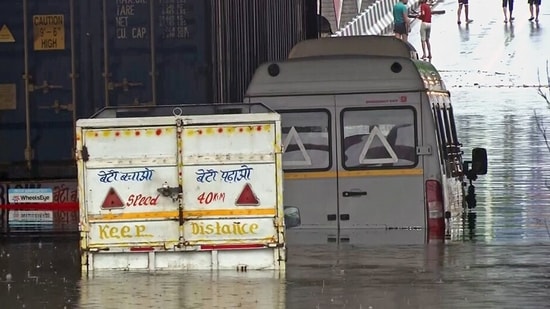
column 247, row 197
column 112, row 200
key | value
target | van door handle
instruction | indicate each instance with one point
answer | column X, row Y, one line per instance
column 354, row 193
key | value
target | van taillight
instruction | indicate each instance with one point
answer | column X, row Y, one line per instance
column 434, row 204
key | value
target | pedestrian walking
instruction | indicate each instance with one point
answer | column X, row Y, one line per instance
column 401, row 22
column 535, row 3
column 425, row 17
column 463, row 4
column 507, row 8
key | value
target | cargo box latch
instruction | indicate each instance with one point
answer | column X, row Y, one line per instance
column 168, row 191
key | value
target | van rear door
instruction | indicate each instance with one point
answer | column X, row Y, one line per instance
column 309, row 157
column 380, row 173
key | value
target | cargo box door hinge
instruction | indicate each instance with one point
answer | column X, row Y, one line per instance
column 82, row 154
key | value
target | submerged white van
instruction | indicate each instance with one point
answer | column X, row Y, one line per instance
column 369, row 138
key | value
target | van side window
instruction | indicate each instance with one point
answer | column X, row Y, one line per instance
column 455, row 152
column 440, row 129
column 448, row 139
column 379, row 138
column 306, row 139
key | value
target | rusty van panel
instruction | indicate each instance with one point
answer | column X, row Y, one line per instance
column 209, row 143
column 169, row 192
column 131, row 145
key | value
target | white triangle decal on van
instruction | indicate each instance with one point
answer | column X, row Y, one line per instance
column 294, row 136
column 362, row 157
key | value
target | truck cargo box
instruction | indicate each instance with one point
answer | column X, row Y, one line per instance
column 181, row 187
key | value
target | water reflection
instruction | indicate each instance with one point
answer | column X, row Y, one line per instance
column 513, row 201
column 452, row 275
column 39, row 274
column 190, row 289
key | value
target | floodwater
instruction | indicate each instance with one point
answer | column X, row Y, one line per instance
column 499, row 260
column 512, row 274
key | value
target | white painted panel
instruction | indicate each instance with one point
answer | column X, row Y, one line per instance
column 208, row 187
column 239, row 230
column 200, row 141
column 136, row 187
column 133, row 233
column 131, row 142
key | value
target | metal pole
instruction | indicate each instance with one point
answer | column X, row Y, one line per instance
column 28, row 149
column 153, row 53
column 105, row 55
column 73, row 71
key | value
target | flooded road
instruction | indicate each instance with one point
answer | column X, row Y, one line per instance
column 499, row 260
column 493, row 70
column 453, row 275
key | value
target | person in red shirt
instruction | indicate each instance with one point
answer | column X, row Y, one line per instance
column 425, row 15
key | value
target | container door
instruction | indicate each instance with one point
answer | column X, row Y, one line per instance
column 380, row 177
column 124, row 180
column 230, row 187
column 150, row 52
column 38, row 42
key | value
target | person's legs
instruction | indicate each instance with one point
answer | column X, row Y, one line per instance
column 423, row 39
column 531, row 10
column 504, row 10
column 511, row 9
column 427, row 41
column 401, row 31
column 396, row 31
column 423, row 50
column 459, row 12
column 537, row 9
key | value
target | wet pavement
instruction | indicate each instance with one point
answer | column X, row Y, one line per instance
column 493, row 70
column 499, row 260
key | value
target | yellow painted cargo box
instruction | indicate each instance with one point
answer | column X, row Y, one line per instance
column 186, row 187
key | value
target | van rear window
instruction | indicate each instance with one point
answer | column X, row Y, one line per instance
column 379, row 138
column 306, row 139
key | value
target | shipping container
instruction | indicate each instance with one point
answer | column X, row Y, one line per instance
column 253, row 32
column 188, row 187
column 65, row 59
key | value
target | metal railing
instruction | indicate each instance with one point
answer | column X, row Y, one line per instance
column 377, row 19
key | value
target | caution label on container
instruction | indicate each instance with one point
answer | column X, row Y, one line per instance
column 49, row 32
column 5, row 35
column 8, row 97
